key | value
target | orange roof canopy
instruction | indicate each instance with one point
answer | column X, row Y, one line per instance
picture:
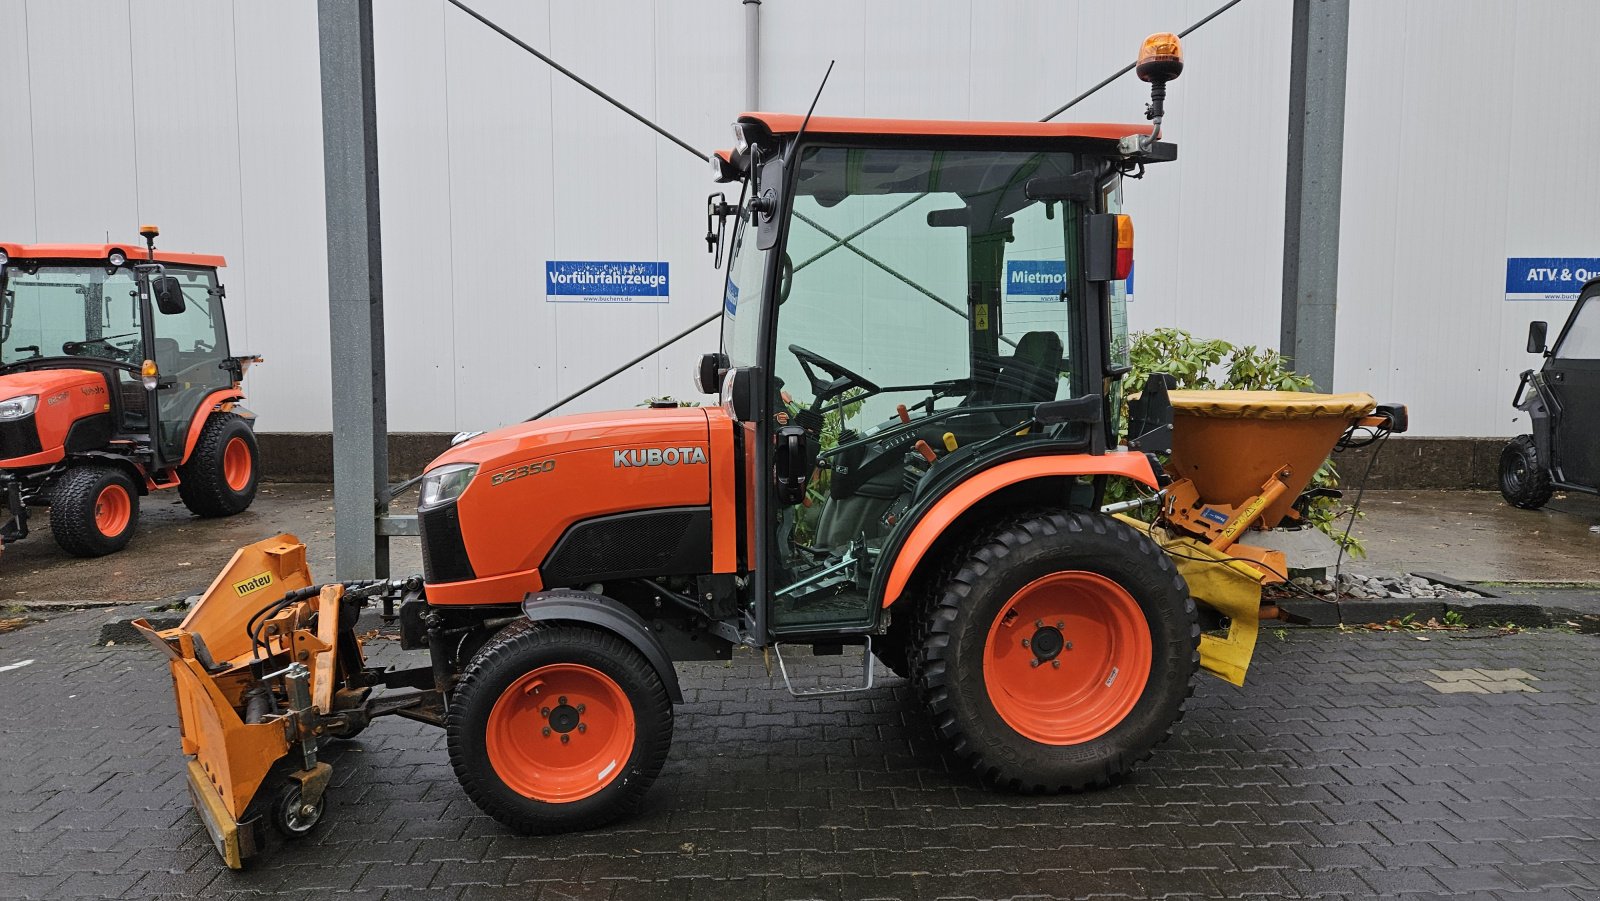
column 135, row 251
column 789, row 123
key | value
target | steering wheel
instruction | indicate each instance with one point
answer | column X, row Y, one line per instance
column 843, row 379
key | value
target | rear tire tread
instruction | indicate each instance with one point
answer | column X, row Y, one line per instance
column 202, row 485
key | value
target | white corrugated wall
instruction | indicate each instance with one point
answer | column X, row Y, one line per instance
column 1464, row 145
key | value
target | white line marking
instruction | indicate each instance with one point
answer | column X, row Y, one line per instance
column 11, row 666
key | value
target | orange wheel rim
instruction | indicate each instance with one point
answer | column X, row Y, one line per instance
column 236, row 464
column 1067, row 658
column 112, row 510
column 560, row 733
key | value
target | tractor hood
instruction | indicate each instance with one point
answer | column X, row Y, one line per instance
column 69, row 399
column 547, row 477
column 49, row 384
column 584, row 431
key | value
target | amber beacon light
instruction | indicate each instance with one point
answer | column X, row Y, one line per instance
column 1160, row 61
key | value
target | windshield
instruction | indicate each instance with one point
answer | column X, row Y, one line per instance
column 930, row 275
column 69, row 311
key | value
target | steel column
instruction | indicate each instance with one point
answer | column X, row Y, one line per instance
column 1311, row 208
column 355, row 286
column 752, row 55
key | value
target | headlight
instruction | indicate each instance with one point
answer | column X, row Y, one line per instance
column 741, row 142
column 446, row 483
column 18, row 407
column 117, row 258
column 4, row 259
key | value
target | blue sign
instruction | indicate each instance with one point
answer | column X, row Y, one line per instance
column 1548, row 278
column 730, row 301
column 1128, row 291
column 1035, row 279
column 590, row 282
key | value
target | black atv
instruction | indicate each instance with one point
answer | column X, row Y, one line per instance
column 1562, row 400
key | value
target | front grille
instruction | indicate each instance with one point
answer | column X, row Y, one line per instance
column 19, row 438
column 444, row 553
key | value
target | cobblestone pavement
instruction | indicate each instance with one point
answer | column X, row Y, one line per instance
column 1337, row 773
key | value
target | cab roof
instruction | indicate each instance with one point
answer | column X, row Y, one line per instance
column 135, row 252
column 789, row 123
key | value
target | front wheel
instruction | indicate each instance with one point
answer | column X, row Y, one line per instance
column 1058, row 652
column 1524, row 480
column 94, row 511
column 558, row 728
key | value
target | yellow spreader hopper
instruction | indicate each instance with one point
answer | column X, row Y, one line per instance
column 1240, row 460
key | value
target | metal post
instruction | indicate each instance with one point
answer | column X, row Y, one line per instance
column 355, row 286
column 1316, row 159
column 752, row 55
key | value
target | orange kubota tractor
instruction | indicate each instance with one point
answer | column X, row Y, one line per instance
column 922, row 349
column 115, row 381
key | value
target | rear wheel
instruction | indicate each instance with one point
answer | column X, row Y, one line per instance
column 1524, row 480
column 1058, row 653
column 558, row 728
column 221, row 476
column 94, row 511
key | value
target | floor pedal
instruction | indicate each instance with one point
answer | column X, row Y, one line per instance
column 866, row 674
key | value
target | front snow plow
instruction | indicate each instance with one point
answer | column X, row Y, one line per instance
column 265, row 667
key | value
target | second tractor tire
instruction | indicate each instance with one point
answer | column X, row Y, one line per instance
column 1056, row 652
column 558, row 728
column 221, row 476
column 1524, row 480
column 94, row 510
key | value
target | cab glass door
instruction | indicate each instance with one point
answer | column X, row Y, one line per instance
column 190, row 351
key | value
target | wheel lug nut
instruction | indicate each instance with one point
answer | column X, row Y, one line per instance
column 1061, row 624
column 565, row 738
column 1038, row 624
column 1024, row 642
column 583, row 727
column 1033, row 662
column 1069, row 645
column 544, row 712
column 581, row 708
column 546, row 731
column 1055, row 664
column 562, row 700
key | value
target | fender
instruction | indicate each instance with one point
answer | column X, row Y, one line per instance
column 602, row 612
column 958, row 500
column 221, row 399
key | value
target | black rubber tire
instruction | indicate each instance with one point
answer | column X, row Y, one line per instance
column 72, row 511
column 948, row 672
column 518, row 649
column 1524, row 480
column 203, row 486
column 286, row 816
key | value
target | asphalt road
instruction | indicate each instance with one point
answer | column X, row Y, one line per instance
column 1354, row 765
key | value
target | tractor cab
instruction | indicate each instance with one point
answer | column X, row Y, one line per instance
column 901, row 299
column 112, row 355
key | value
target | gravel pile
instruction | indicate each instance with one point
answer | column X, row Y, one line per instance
column 1356, row 586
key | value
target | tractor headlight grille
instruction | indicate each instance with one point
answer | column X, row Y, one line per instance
column 444, row 552
column 18, row 438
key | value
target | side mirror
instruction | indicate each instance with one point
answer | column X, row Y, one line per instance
column 791, row 464
column 1538, row 330
column 1150, row 416
column 169, row 295
column 709, row 378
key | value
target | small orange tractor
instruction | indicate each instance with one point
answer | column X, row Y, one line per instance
column 115, row 381
column 923, row 344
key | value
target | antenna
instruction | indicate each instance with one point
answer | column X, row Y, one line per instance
column 807, row 120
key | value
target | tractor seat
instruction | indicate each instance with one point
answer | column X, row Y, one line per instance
column 1033, row 374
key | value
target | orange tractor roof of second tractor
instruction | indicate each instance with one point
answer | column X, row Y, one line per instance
column 134, row 250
